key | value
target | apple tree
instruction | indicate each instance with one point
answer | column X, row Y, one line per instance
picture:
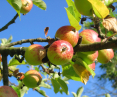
column 71, row 52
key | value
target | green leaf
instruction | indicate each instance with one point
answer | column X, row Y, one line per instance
column 69, row 72
column 63, row 85
column 23, row 91
column 5, row 41
column 79, row 91
column 42, row 92
column 73, row 21
column 107, row 95
column 99, row 8
column 75, row 11
column 80, row 61
column 74, row 94
column 17, row 90
column 39, row 3
column 43, row 84
column 16, row 4
column 56, row 85
column 14, row 61
column 85, row 96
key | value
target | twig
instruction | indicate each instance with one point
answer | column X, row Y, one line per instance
column 28, row 40
column 5, row 70
column 9, row 23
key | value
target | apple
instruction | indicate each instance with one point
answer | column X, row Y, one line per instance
column 89, row 36
column 6, row 91
column 68, row 33
column 84, row 7
column 32, row 79
column 26, row 6
column 105, row 55
column 92, row 66
column 88, row 58
column 60, row 52
column 34, row 54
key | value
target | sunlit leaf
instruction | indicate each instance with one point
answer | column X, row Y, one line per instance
column 73, row 21
column 69, row 72
column 99, row 8
column 43, row 84
column 16, row 4
column 63, row 85
column 17, row 90
column 56, row 85
column 79, row 91
column 77, row 14
column 74, row 94
column 40, row 3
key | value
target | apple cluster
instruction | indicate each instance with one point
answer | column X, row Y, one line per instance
column 61, row 51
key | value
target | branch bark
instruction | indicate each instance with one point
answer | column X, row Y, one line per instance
column 5, row 70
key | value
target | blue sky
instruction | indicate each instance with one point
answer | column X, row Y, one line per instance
column 32, row 26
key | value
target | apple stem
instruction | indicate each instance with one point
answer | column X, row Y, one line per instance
column 74, row 30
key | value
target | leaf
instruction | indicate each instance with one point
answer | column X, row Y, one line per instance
column 17, row 90
column 77, row 14
column 99, row 8
column 74, row 94
column 5, row 41
column 110, row 24
column 80, row 61
column 56, row 85
column 79, row 91
column 46, row 31
column 73, row 21
column 23, row 90
column 63, row 85
column 0, row 75
column 14, row 61
column 16, row 4
column 43, row 84
column 42, row 93
column 69, row 72
column 39, row 3
column 107, row 95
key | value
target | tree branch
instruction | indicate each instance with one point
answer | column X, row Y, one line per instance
column 5, row 70
column 9, row 23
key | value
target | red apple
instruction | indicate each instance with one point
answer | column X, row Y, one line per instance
column 92, row 66
column 32, row 79
column 89, row 36
column 26, row 6
column 68, row 33
column 60, row 52
column 6, row 91
column 34, row 54
column 88, row 58
column 105, row 55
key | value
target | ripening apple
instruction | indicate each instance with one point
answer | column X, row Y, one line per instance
column 68, row 33
column 6, row 91
column 88, row 58
column 26, row 6
column 84, row 7
column 105, row 55
column 92, row 66
column 60, row 52
column 32, row 79
column 34, row 54
column 89, row 36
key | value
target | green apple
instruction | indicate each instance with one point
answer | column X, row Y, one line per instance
column 84, row 7
column 105, row 55
column 60, row 52
column 6, row 91
column 34, row 54
column 32, row 79
column 68, row 33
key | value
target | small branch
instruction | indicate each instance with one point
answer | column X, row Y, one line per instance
column 9, row 23
column 5, row 70
column 28, row 40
